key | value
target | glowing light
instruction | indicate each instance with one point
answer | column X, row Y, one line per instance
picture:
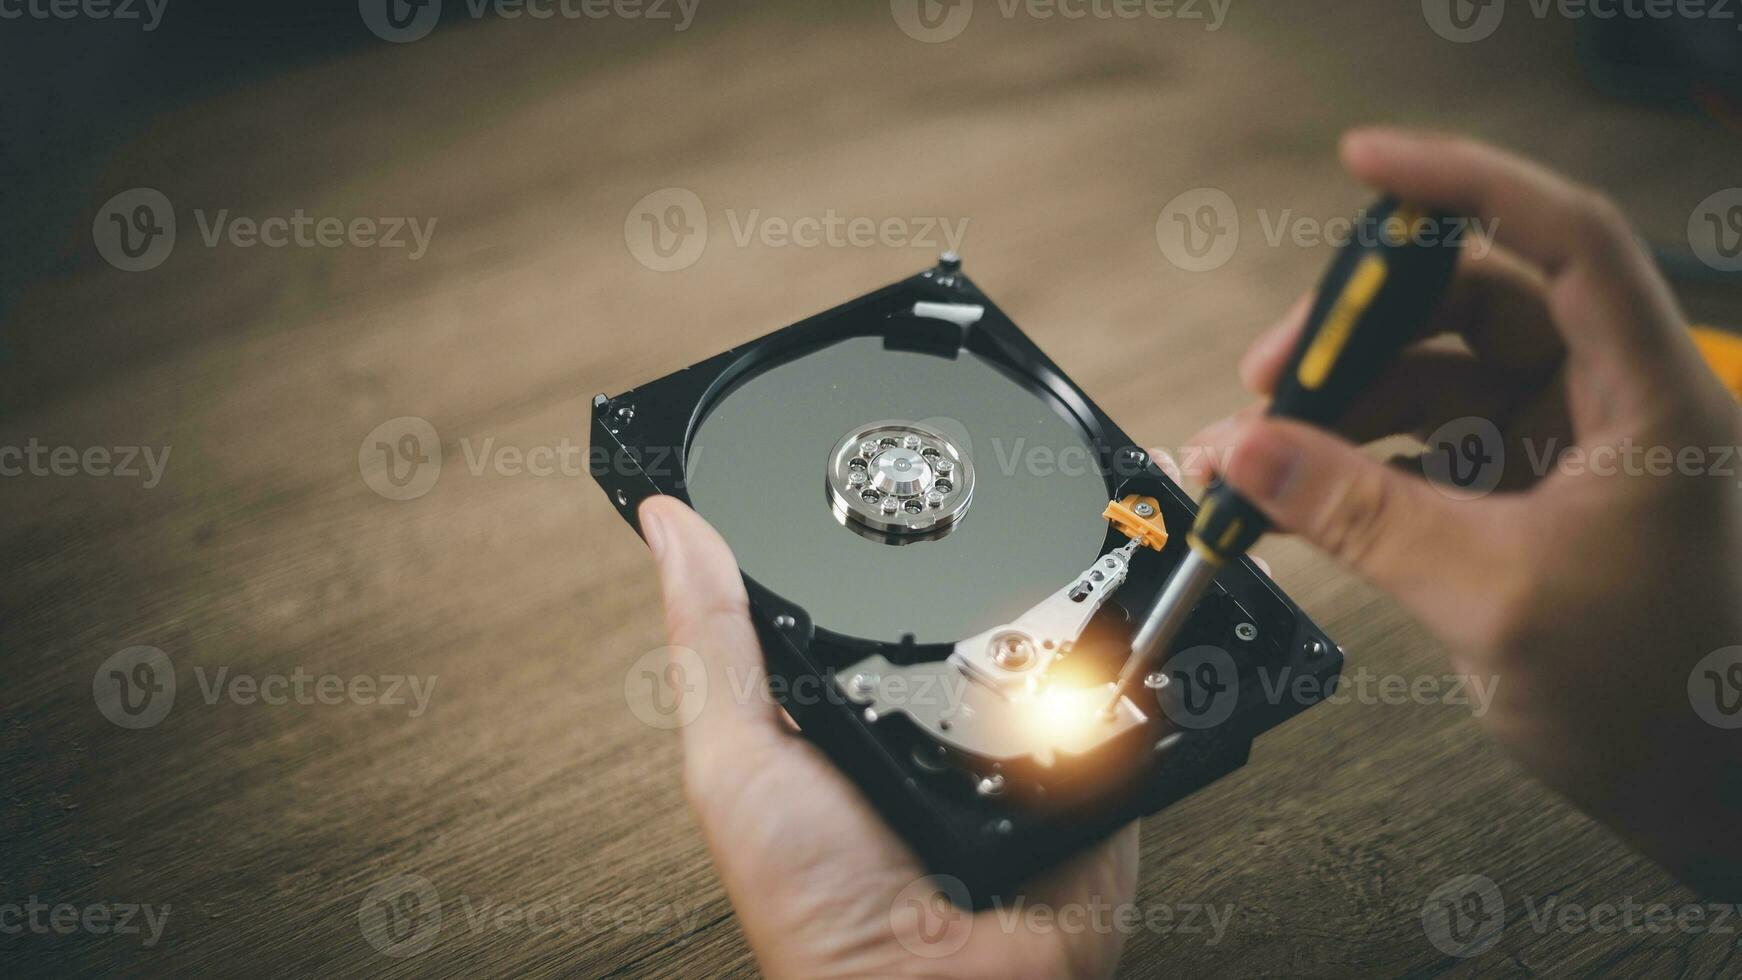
column 1066, row 715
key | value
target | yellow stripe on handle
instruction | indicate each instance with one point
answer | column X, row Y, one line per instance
column 1209, row 554
column 1723, row 353
column 1407, row 216
column 1327, row 346
column 1235, row 526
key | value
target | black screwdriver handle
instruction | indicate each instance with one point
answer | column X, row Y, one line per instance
column 1378, row 294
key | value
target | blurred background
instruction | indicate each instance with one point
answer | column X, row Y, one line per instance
column 245, row 244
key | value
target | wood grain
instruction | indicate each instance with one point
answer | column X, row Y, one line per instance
column 528, row 780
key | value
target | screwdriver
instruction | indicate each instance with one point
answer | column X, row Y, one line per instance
column 1377, row 295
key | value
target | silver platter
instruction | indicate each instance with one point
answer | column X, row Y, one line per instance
column 1033, row 519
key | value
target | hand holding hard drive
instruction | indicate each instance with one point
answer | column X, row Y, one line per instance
column 822, row 886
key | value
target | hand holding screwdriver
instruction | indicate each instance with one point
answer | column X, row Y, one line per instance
column 1378, row 294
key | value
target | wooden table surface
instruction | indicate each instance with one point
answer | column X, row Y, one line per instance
column 526, row 781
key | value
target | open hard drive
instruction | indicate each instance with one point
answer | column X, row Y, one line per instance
column 946, row 545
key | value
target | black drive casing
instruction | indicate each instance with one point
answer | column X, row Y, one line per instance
column 991, row 844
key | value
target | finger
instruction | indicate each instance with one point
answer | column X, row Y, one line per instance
column 1496, row 303
column 707, row 611
column 1542, row 215
column 1169, row 466
column 1426, row 388
column 1579, row 240
column 1107, row 872
column 1395, row 530
column 1205, row 454
column 1261, row 366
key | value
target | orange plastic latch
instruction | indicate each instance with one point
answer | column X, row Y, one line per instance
column 1149, row 530
column 1723, row 352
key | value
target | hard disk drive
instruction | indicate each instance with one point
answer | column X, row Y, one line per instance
column 946, row 546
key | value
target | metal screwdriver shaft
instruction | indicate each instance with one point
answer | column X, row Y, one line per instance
column 1184, row 588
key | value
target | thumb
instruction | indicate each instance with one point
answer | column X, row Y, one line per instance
column 707, row 616
column 1395, row 529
